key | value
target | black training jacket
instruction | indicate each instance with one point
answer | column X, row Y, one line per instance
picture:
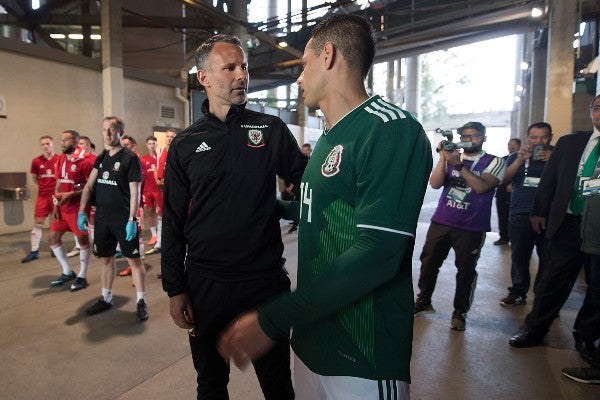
column 219, row 197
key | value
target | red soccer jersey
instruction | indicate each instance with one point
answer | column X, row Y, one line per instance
column 149, row 164
column 45, row 170
column 73, row 171
column 162, row 162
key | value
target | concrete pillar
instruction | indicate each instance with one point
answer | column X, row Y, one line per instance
column 559, row 85
column 518, row 106
column 390, row 87
column 302, row 112
column 112, row 59
column 399, row 93
column 239, row 9
column 412, row 87
column 538, row 78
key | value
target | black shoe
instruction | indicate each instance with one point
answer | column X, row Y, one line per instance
column 587, row 350
column 513, row 300
column 423, row 308
column 583, row 375
column 80, row 283
column 526, row 339
column 501, row 242
column 33, row 255
column 100, row 306
column 63, row 279
column 458, row 322
column 142, row 310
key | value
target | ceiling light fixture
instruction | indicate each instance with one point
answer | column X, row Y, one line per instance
column 75, row 36
column 536, row 12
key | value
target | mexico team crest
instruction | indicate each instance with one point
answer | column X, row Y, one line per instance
column 117, row 166
column 105, row 175
column 331, row 166
column 255, row 138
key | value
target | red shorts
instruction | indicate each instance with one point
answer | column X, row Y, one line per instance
column 67, row 223
column 153, row 201
column 43, row 206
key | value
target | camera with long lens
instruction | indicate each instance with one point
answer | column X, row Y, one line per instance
column 448, row 144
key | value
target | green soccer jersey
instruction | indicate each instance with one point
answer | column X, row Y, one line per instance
column 362, row 191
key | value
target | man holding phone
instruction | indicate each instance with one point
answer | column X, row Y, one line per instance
column 523, row 172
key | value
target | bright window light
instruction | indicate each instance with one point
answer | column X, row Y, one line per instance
column 76, row 36
column 96, row 37
column 193, row 71
column 57, row 36
column 519, row 88
column 536, row 12
column 524, row 65
column 576, row 43
column 35, row 4
column 517, row 99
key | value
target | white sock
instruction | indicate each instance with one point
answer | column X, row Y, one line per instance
column 61, row 256
column 91, row 232
column 141, row 246
column 84, row 258
column 140, row 296
column 77, row 245
column 36, row 237
column 158, row 231
column 107, row 295
column 153, row 231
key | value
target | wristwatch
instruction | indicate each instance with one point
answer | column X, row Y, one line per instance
column 132, row 219
column 459, row 166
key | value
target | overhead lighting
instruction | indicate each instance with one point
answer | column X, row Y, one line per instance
column 96, row 37
column 536, row 12
column 519, row 88
column 517, row 99
column 57, row 36
column 282, row 44
column 35, row 4
column 75, row 36
column 524, row 65
column 576, row 43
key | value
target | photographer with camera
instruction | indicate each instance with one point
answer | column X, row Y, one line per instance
column 461, row 219
column 523, row 171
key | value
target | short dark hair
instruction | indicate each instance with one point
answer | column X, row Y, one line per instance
column 540, row 125
column 478, row 126
column 202, row 52
column 352, row 35
column 130, row 138
column 151, row 138
column 74, row 134
column 516, row 140
column 593, row 100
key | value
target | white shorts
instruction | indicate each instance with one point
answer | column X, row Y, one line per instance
column 311, row 386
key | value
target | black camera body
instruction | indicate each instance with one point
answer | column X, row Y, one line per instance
column 448, row 144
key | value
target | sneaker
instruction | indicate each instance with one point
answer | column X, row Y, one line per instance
column 33, row 255
column 152, row 241
column 422, row 308
column 63, row 279
column 154, row 250
column 458, row 322
column 100, row 306
column 73, row 253
column 583, row 375
column 513, row 300
column 126, row 271
column 142, row 310
column 501, row 242
column 80, row 283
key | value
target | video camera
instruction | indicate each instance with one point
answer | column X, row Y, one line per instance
column 448, row 144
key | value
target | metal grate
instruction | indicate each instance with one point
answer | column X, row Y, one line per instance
column 167, row 111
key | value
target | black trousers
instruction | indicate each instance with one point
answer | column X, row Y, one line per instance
column 587, row 324
column 215, row 304
column 559, row 267
column 503, row 208
column 467, row 247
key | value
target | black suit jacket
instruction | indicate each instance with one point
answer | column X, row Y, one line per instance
column 556, row 185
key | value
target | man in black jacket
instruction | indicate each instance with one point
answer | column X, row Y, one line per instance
column 220, row 208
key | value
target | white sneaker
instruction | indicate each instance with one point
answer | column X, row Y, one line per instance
column 73, row 253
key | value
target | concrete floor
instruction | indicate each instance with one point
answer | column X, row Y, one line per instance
column 49, row 350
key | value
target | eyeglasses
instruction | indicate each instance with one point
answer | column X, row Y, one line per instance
column 469, row 137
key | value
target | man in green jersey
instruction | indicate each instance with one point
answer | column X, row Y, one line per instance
column 361, row 194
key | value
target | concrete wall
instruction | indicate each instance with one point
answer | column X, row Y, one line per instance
column 46, row 97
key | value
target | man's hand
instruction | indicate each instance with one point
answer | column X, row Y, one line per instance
column 538, row 224
column 244, row 340
column 130, row 230
column 82, row 221
column 451, row 157
column 181, row 310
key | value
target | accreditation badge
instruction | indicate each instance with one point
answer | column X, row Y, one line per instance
column 531, row 181
column 591, row 187
column 457, row 194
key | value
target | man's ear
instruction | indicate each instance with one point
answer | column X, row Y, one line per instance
column 329, row 52
column 484, row 138
column 202, row 77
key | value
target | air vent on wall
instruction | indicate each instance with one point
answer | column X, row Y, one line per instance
column 167, row 111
